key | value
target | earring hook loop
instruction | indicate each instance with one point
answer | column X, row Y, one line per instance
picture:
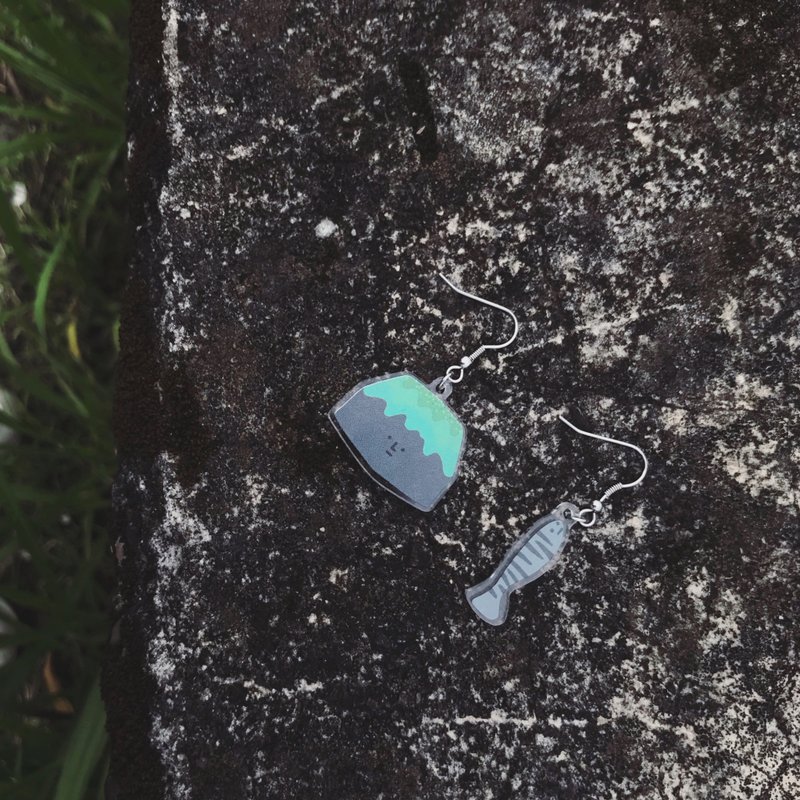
column 455, row 373
column 597, row 505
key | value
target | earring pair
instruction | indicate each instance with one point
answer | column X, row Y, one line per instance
column 404, row 434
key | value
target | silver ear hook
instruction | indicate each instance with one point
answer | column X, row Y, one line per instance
column 584, row 517
column 455, row 374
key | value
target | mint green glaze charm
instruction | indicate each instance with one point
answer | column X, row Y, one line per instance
column 404, row 434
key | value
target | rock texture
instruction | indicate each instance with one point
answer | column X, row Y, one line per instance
column 625, row 176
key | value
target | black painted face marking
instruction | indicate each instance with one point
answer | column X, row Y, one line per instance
column 393, row 446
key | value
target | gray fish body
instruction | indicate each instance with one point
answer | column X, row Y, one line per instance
column 535, row 552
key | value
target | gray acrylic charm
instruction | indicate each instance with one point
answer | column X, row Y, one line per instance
column 404, row 434
column 540, row 547
column 533, row 554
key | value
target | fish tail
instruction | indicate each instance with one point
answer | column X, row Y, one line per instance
column 490, row 604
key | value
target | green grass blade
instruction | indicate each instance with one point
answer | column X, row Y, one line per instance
column 25, row 145
column 31, row 384
column 60, row 275
column 50, row 40
column 39, row 113
column 20, row 524
column 5, row 350
column 51, row 80
column 14, row 237
column 84, row 750
column 15, row 674
column 43, row 284
column 95, row 188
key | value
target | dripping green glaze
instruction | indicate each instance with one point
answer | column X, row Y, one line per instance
column 425, row 413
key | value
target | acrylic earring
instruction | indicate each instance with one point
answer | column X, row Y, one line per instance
column 402, row 431
column 540, row 547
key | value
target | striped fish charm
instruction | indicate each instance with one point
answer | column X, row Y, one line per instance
column 535, row 552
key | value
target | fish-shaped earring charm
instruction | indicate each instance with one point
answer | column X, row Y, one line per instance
column 403, row 432
column 535, row 552
column 540, row 547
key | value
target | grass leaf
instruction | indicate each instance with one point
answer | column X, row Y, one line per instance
column 52, row 81
column 10, row 227
column 18, row 111
column 43, row 284
column 61, row 260
column 84, row 750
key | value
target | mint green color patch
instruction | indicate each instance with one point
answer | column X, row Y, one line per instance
column 425, row 413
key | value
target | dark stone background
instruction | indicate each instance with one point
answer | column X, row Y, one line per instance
column 625, row 176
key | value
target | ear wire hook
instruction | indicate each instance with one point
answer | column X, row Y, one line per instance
column 455, row 373
column 597, row 505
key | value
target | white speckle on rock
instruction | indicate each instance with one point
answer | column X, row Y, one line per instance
column 730, row 317
column 241, row 151
column 325, row 228
column 443, row 539
column 172, row 69
column 304, row 686
column 336, row 576
column 675, row 420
